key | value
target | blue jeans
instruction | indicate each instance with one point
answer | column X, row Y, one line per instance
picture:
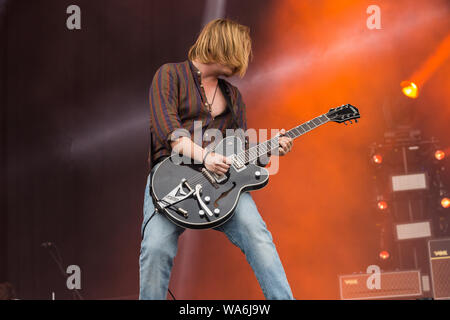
column 246, row 229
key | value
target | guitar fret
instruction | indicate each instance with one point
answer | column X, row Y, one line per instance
column 323, row 118
column 259, row 149
column 301, row 130
column 263, row 148
column 293, row 133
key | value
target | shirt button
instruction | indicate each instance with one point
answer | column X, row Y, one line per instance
column 199, row 73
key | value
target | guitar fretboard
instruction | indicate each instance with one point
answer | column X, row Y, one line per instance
column 265, row 147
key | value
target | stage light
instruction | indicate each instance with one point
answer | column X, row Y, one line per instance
column 439, row 154
column 409, row 89
column 445, row 202
column 384, row 255
column 382, row 205
column 377, row 158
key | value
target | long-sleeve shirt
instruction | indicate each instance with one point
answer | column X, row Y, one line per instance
column 177, row 99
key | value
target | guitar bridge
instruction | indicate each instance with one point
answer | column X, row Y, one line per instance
column 210, row 177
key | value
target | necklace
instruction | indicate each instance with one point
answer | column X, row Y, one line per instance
column 209, row 105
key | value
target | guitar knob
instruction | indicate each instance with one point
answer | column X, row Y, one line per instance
column 201, row 213
column 217, row 211
column 207, row 199
column 257, row 174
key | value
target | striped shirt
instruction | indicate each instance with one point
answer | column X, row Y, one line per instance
column 177, row 100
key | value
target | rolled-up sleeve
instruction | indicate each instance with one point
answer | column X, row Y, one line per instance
column 163, row 96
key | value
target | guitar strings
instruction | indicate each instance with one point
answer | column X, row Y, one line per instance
column 249, row 155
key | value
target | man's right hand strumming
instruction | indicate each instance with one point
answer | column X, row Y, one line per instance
column 217, row 163
column 212, row 161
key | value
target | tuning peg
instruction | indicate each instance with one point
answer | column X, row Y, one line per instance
column 345, row 122
column 351, row 122
column 356, row 120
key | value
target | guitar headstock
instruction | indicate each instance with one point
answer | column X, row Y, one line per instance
column 344, row 113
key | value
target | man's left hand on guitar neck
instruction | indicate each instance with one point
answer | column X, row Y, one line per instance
column 285, row 142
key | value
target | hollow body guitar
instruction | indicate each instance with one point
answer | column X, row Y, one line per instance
column 192, row 197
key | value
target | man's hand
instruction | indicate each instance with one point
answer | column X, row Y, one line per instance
column 286, row 143
column 217, row 163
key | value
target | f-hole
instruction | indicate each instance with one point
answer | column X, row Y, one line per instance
column 223, row 195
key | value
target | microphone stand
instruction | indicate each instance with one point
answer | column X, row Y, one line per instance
column 58, row 260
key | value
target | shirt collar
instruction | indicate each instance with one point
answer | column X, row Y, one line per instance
column 197, row 76
column 194, row 69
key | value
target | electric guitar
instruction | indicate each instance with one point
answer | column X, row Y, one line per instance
column 193, row 197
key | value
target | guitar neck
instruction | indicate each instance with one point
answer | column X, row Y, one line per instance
column 265, row 147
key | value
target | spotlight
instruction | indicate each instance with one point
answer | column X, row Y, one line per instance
column 439, row 154
column 445, row 202
column 382, row 205
column 377, row 158
column 384, row 255
column 409, row 89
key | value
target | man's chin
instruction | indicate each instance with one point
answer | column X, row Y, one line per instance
column 228, row 74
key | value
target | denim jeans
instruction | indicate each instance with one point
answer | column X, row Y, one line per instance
column 246, row 229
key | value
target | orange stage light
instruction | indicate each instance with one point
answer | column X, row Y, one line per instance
column 445, row 202
column 410, row 89
column 432, row 63
column 439, row 154
column 377, row 158
column 382, row 205
column 384, row 255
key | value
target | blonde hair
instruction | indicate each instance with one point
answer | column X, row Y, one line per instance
column 226, row 42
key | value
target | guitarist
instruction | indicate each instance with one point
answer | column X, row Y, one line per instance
column 180, row 94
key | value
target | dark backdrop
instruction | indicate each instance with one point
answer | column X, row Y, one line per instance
column 76, row 141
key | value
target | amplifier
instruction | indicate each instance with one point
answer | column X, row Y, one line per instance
column 439, row 250
column 391, row 285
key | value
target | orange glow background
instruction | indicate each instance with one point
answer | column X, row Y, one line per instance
column 311, row 56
